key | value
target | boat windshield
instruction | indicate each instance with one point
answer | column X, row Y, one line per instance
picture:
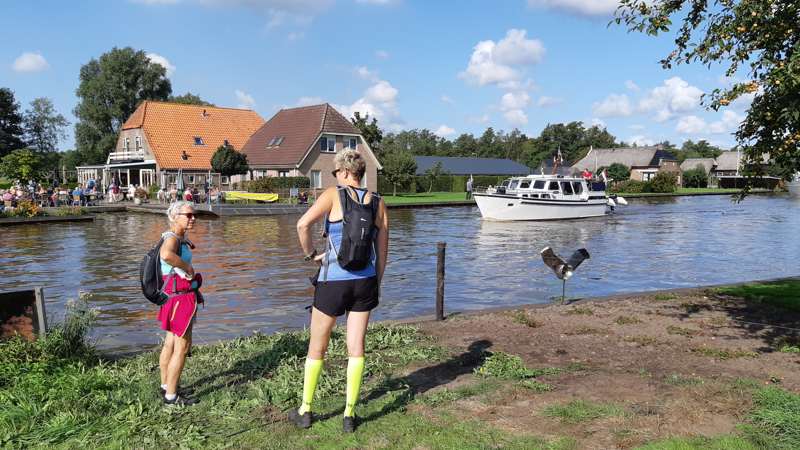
column 577, row 187
column 566, row 187
column 525, row 184
column 538, row 184
column 513, row 184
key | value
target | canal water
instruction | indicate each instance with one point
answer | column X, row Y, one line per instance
column 256, row 280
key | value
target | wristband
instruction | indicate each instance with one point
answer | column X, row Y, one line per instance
column 310, row 256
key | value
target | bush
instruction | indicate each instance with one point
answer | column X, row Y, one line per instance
column 270, row 184
column 663, row 182
column 629, row 187
column 25, row 208
column 618, row 172
column 695, row 178
column 64, row 211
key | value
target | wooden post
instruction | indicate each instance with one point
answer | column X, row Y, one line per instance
column 440, row 251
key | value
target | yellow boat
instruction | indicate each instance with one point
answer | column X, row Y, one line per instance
column 236, row 195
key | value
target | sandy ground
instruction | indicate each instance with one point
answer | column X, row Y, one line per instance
column 674, row 363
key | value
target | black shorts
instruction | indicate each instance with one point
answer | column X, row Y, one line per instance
column 334, row 298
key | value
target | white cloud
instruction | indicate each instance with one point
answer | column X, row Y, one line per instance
column 545, row 101
column 598, row 123
column 382, row 54
column 675, row 96
column 295, row 35
column 514, row 100
column 581, row 7
column 482, row 119
column 444, row 131
column 161, row 61
column 381, row 92
column 629, row 84
column 496, row 63
column 728, row 124
column 30, row 62
column 366, row 74
column 691, row 125
column 615, row 105
column 641, row 140
column 446, row 99
column 516, row 117
column 245, row 100
column 306, row 101
column 379, row 101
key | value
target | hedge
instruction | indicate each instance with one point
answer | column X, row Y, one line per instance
column 270, row 184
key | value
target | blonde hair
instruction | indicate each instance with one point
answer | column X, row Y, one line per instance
column 351, row 161
column 175, row 209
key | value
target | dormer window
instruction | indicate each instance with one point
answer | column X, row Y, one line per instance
column 127, row 144
column 226, row 143
column 138, row 141
column 327, row 144
column 352, row 142
column 198, row 141
column 276, row 141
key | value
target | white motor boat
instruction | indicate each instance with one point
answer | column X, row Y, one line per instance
column 545, row 197
column 794, row 185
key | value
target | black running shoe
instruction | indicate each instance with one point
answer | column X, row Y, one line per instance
column 181, row 391
column 180, row 401
column 300, row 420
column 349, row 424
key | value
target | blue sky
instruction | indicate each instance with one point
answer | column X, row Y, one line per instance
column 449, row 66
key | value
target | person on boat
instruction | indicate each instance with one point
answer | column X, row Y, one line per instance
column 339, row 290
column 586, row 175
column 178, row 314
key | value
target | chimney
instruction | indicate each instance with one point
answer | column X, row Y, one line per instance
column 204, row 113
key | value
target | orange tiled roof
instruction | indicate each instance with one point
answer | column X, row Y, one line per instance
column 170, row 129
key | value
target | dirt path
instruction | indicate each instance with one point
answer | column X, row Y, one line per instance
column 661, row 365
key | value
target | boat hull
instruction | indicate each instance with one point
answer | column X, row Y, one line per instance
column 509, row 208
column 794, row 185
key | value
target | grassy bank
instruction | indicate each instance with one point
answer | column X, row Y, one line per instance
column 688, row 192
column 433, row 197
column 666, row 371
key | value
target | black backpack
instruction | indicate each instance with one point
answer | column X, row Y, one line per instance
column 358, row 231
column 150, row 275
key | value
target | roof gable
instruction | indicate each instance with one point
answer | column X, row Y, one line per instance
column 299, row 128
column 629, row 156
column 691, row 163
column 171, row 128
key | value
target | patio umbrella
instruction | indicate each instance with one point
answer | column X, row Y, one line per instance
column 179, row 182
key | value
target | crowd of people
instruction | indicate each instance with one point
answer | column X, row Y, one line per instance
column 52, row 195
column 347, row 282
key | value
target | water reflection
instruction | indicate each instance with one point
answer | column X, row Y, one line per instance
column 258, row 281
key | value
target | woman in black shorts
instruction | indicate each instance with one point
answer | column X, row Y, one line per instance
column 340, row 290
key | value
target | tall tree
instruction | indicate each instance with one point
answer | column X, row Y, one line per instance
column 369, row 129
column 21, row 164
column 758, row 42
column 43, row 125
column 399, row 168
column 189, row 99
column 228, row 161
column 110, row 89
column 10, row 123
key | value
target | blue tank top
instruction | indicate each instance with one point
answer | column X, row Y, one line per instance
column 186, row 254
column 335, row 272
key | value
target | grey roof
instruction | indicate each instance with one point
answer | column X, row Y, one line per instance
column 628, row 156
column 692, row 163
column 728, row 161
column 472, row 166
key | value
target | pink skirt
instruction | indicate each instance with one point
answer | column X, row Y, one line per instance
column 177, row 313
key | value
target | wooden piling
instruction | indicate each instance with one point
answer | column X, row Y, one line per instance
column 440, row 252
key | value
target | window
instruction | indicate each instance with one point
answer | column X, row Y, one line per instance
column 198, row 141
column 127, row 144
column 577, row 187
column 280, row 141
column 553, row 186
column 352, row 142
column 226, row 143
column 513, row 184
column 277, row 140
column 224, row 179
column 327, row 144
column 538, row 184
column 316, row 179
column 138, row 143
column 566, row 187
column 190, row 179
column 525, row 184
column 283, row 173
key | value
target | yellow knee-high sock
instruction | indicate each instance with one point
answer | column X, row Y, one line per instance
column 312, row 370
column 355, row 370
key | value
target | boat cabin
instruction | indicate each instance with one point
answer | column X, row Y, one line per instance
column 552, row 187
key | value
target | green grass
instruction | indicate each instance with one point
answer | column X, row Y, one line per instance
column 521, row 317
column 688, row 332
column 626, row 320
column 783, row 294
column 433, row 197
column 723, row 354
column 665, row 297
column 57, row 393
column 579, row 311
column 578, row 411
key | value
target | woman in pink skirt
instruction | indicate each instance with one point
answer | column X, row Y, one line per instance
column 177, row 315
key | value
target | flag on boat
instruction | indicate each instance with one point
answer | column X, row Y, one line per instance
column 604, row 174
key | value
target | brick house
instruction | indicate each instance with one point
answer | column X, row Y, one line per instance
column 303, row 142
column 644, row 162
column 161, row 138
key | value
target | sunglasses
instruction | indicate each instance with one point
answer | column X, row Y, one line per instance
column 189, row 216
column 334, row 173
